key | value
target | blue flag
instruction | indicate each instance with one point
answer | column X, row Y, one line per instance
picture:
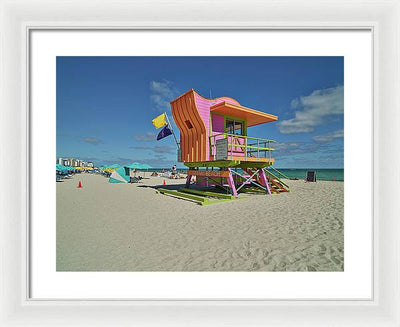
column 164, row 133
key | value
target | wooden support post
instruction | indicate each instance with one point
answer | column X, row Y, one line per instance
column 188, row 178
column 261, row 172
column 231, row 183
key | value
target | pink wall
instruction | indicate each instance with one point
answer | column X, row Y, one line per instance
column 203, row 106
column 230, row 100
column 217, row 124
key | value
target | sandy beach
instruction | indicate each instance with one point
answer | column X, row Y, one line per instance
column 130, row 227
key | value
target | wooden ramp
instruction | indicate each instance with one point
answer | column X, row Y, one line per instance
column 198, row 196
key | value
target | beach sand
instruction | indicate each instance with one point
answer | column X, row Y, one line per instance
column 130, row 227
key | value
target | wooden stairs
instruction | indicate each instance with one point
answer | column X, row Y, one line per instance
column 276, row 185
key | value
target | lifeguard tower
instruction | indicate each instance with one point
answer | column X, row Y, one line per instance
column 215, row 145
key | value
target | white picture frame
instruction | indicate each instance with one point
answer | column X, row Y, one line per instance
column 19, row 18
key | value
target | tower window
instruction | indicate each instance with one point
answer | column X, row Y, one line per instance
column 188, row 124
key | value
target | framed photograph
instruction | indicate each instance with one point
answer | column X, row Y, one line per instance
column 235, row 169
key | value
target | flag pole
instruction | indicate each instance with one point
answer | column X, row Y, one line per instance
column 172, row 130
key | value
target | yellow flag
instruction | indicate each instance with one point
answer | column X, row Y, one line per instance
column 159, row 121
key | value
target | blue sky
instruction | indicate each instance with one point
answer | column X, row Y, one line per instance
column 105, row 105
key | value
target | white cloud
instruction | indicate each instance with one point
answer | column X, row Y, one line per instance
column 156, row 149
column 160, row 103
column 286, row 145
column 284, row 149
column 92, row 140
column 294, row 103
column 165, row 88
column 165, row 149
column 163, row 93
column 313, row 110
column 145, row 137
column 329, row 137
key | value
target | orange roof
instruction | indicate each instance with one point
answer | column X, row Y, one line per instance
column 253, row 117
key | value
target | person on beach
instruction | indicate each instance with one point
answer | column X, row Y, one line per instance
column 173, row 171
column 131, row 175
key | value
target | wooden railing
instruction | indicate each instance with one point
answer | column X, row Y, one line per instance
column 241, row 145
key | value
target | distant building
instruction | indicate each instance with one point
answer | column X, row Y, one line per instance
column 73, row 162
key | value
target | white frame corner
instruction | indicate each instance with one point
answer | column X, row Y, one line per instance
column 18, row 18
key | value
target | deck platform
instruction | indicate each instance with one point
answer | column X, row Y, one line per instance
column 237, row 162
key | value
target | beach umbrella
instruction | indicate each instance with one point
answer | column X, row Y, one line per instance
column 145, row 166
column 113, row 167
column 60, row 167
column 133, row 165
column 110, row 168
column 105, row 168
column 138, row 165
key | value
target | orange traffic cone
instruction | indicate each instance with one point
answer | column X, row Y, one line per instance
column 164, row 182
column 79, row 185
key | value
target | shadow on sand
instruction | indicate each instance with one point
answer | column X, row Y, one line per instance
column 167, row 187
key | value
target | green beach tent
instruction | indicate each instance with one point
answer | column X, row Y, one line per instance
column 119, row 176
column 136, row 165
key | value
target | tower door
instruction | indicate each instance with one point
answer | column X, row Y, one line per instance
column 236, row 143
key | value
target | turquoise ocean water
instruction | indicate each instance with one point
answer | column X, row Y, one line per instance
column 322, row 174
